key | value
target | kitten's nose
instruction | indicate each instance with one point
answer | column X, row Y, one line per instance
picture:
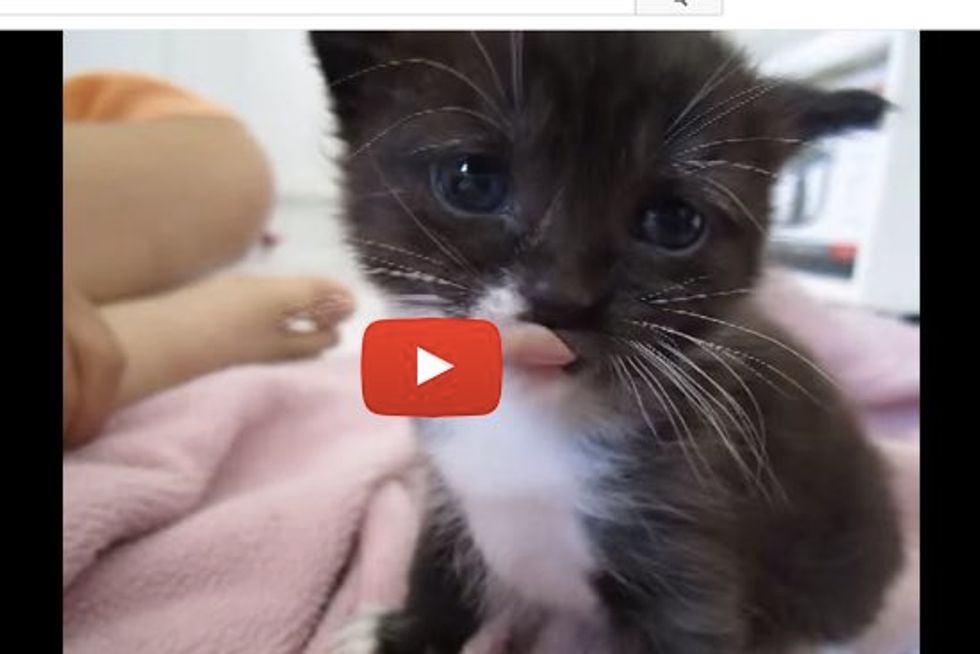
column 561, row 304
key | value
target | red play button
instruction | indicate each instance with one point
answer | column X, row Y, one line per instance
column 431, row 367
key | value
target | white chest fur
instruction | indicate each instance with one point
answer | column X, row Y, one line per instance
column 521, row 477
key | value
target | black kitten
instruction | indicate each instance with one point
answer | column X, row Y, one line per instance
column 693, row 483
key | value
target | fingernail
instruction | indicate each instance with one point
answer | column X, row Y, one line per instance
column 301, row 325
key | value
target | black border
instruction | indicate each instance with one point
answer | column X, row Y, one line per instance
column 32, row 126
column 948, row 125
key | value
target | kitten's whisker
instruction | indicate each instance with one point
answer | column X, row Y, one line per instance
column 398, row 250
column 753, row 435
column 407, row 268
column 748, row 139
column 640, row 404
column 424, row 301
column 614, row 366
column 493, row 69
column 737, row 414
column 764, row 90
column 618, row 367
column 703, row 164
column 721, row 104
column 649, row 355
column 775, row 341
column 422, row 61
column 626, row 381
column 687, row 390
column 760, row 423
column 693, row 298
column 670, row 409
column 753, row 93
column 760, row 430
column 421, row 114
column 679, row 286
column 454, row 255
column 418, row 298
column 731, row 195
column 738, row 418
column 702, row 93
column 738, row 355
column 741, row 357
column 711, row 408
column 737, row 95
column 761, row 451
column 402, row 272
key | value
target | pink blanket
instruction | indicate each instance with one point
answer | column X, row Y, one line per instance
column 255, row 510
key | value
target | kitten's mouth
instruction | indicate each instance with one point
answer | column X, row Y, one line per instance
column 533, row 345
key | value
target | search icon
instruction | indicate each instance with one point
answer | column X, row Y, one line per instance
column 679, row 8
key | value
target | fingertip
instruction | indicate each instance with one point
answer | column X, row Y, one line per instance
column 327, row 304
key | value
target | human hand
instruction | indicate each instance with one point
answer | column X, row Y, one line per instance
column 93, row 363
column 529, row 344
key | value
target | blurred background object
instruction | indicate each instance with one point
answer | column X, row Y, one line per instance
column 846, row 211
column 269, row 78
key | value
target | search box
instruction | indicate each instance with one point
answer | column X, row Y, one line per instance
column 321, row 8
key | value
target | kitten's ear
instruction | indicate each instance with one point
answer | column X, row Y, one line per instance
column 343, row 56
column 817, row 113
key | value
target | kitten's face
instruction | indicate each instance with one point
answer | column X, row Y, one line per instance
column 586, row 182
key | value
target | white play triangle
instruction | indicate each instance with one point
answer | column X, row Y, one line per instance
column 428, row 366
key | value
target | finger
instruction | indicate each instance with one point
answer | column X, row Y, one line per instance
column 298, row 346
column 98, row 365
column 69, row 388
column 322, row 302
column 534, row 345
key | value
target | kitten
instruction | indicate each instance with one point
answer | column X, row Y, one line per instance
column 692, row 482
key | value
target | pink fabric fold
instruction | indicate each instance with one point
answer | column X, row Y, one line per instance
column 257, row 509
column 230, row 514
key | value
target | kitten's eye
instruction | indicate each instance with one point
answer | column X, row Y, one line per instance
column 673, row 227
column 471, row 183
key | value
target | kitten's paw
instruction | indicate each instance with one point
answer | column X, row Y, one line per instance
column 361, row 636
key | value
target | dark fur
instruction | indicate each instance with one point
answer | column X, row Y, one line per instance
column 739, row 564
